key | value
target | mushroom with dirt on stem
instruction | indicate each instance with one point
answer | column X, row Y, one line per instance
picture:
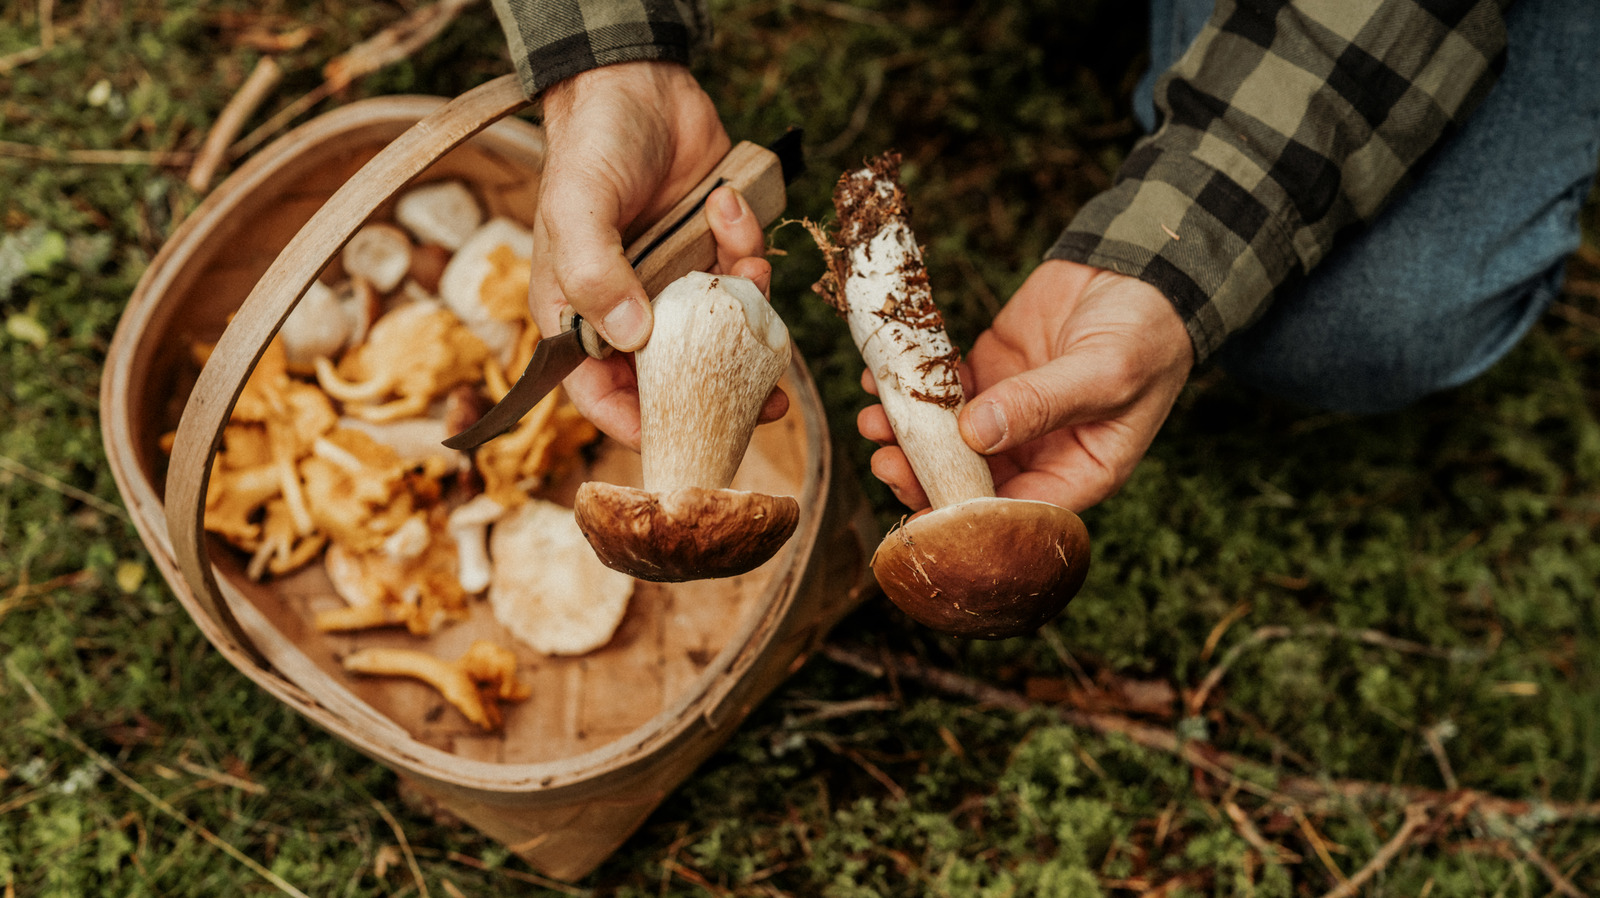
column 716, row 351
column 976, row 565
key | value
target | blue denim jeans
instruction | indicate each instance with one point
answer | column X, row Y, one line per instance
column 1464, row 261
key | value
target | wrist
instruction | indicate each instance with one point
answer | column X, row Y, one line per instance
column 644, row 79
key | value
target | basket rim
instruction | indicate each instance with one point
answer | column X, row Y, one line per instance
column 702, row 700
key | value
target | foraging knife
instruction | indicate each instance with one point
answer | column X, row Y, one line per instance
column 678, row 243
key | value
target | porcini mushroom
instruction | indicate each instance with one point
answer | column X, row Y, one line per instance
column 976, row 565
column 716, row 352
column 378, row 253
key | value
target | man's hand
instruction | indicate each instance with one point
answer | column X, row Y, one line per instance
column 626, row 142
column 1073, row 381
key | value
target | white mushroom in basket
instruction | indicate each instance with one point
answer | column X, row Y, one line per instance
column 976, row 565
column 379, row 254
column 486, row 284
column 442, row 213
column 318, row 326
column 468, row 526
column 548, row 588
column 716, row 352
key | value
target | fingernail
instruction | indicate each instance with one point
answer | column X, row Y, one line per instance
column 988, row 424
column 729, row 205
column 628, row 325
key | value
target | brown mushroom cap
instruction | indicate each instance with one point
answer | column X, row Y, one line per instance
column 985, row 568
column 683, row 534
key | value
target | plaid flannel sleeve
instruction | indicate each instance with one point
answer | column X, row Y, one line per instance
column 551, row 40
column 1285, row 123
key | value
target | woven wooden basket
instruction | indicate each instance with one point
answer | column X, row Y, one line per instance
column 605, row 736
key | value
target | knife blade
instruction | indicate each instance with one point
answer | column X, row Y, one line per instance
column 553, row 359
column 678, row 243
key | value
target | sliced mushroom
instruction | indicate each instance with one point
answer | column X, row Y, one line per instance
column 486, row 283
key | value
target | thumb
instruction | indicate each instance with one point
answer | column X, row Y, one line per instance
column 1035, row 402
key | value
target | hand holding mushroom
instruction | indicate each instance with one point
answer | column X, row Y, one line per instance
column 977, row 565
column 1072, row 382
column 626, row 141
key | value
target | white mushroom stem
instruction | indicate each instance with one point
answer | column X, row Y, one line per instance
column 468, row 525
column 977, row 566
column 885, row 296
column 715, row 353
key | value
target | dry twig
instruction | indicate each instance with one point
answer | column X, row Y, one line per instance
column 398, row 41
column 1376, row 638
column 1246, row 828
column 244, row 103
column 12, row 466
column 138, row 788
column 95, row 157
column 1416, row 818
column 405, row 846
column 47, row 40
column 1295, row 793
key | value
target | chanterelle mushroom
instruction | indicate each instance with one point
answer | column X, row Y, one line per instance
column 413, row 355
column 976, row 566
column 474, row 683
column 716, row 352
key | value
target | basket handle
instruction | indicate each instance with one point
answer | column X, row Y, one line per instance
column 245, row 340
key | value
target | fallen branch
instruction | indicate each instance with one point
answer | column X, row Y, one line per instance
column 1197, row 699
column 1416, row 819
column 244, row 103
column 1301, row 791
column 95, row 157
column 393, row 44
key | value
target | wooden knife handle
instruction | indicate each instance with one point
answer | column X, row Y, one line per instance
column 751, row 168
